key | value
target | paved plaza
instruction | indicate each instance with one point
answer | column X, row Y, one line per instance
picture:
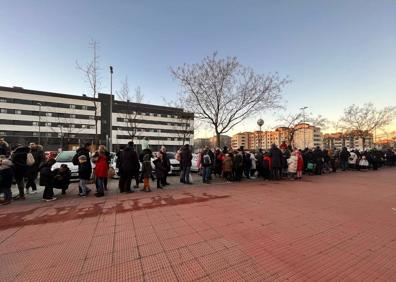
column 330, row 227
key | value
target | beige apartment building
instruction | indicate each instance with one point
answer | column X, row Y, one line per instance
column 351, row 140
column 305, row 135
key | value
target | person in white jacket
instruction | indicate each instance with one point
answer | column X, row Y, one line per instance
column 292, row 166
column 253, row 167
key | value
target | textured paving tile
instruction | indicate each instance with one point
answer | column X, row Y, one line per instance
column 334, row 227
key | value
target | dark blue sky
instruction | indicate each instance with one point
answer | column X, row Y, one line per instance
column 335, row 52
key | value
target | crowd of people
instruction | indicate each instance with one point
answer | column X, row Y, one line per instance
column 23, row 164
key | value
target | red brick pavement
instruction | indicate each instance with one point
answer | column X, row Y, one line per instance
column 332, row 227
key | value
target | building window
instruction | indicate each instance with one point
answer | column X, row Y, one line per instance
column 3, row 111
column 92, row 127
column 48, row 114
column 72, row 106
column 72, row 116
column 18, row 112
column 49, row 134
column 72, row 136
column 35, row 133
column 83, row 126
column 125, row 120
column 2, row 100
column 92, row 117
column 84, row 107
column 35, row 123
column 48, row 124
column 72, row 125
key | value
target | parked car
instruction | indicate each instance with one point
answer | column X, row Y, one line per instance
column 175, row 164
column 66, row 157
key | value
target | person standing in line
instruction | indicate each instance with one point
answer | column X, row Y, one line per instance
column 267, row 166
column 147, row 170
column 227, row 168
column 160, row 170
column 83, row 151
column 167, row 165
column 276, row 161
column 260, row 158
column 300, row 164
column 4, row 148
column 128, row 168
column 6, row 176
column 84, row 175
column 319, row 157
column 292, row 166
column 238, row 164
column 19, row 159
column 185, row 163
column 253, row 166
column 101, row 170
column 47, row 180
column 206, row 163
column 33, row 170
column 344, row 156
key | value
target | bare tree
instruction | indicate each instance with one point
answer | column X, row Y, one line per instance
column 223, row 93
column 186, row 125
column 290, row 121
column 131, row 111
column 366, row 118
column 91, row 73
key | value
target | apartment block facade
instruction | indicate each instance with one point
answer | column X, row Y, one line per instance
column 351, row 140
column 64, row 121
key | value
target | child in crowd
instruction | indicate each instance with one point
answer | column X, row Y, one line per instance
column 292, row 166
column 300, row 164
column 267, row 166
column 146, row 172
column 363, row 163
column 227, row 168
column 84, row 174
column 47, row 180
column 6, row 176
column 62, row 178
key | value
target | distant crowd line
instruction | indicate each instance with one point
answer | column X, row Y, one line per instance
column 25, row 163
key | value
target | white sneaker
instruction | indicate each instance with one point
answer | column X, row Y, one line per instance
column 50, row 200
column 33, row 192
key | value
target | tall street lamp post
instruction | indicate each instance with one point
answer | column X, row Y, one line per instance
column 260, row 123
column 39, row 123
column 111, row 110
column 303, row 110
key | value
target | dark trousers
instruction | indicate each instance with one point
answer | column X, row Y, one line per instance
column 227, row 175
column 318, row 168
column 163, row 179
column 48, row 192
column 276, row 173
column 31, row 182
column 238, row 174
column 125, row 183
column 267, row 174
column 21, row 186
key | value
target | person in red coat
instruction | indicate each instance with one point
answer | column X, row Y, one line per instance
column 300, row 164
column 267, row 166
column 101, row 170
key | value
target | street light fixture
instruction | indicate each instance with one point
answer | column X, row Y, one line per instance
column 111, row 110
column 39, row 123
column 303, row 110
column 260, row 123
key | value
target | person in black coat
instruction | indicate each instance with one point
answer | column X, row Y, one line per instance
column 47, row 180
column 167, row 165
column 318, row 158
column 33, row 170
column 160, row 169
column 276, row 161
column 185, row 164
column 19, row 159
column 6, row 176
column 128, row 168
column 344, row 156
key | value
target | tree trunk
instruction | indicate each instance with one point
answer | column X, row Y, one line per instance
column 218, row 139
